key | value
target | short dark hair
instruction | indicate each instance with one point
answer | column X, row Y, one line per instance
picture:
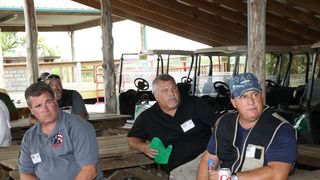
column 161, row 77
column 36, row 89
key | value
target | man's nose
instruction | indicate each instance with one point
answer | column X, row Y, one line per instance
column 250, row 100
column 171, row 91
column 55, row 87
column 44, row 108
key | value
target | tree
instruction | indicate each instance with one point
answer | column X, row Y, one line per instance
column 44, row 49
column 10, row 41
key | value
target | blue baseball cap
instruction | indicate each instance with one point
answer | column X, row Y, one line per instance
column 242, row 83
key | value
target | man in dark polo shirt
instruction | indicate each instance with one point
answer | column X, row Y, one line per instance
column 186, row 125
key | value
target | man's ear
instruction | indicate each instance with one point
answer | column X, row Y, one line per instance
column 233, row 102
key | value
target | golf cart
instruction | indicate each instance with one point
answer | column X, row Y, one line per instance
column 213, row 69
column 137, row 71
column 308, row 124
column 285, row 80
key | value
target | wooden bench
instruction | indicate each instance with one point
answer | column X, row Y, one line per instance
column 101, row 122
column 114, row 153
column 309, row 155
column 306, row 175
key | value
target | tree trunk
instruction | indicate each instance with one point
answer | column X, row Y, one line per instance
column 31, row 41
column 256, row 39
column 109, row 76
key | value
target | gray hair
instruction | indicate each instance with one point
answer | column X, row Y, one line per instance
column 161, row 77
column 37, row 89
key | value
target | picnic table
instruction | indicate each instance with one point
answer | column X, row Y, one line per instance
column 306, row 175
column 309, row 155
column 100, row 121
column 114, row 153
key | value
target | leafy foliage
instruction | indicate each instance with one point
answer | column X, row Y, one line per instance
column 12, row 43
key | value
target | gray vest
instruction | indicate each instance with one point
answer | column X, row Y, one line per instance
column 256, row 144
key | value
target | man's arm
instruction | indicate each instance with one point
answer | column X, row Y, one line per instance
column 78, row 106
column 140, row 145
column 274, row 170
column 84, row 116
column 87, row 172
column 26, row 176
column 203, row 171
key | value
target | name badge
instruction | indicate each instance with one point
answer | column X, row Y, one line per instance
column 35, row 158
column 251, row 150
column 186, row 126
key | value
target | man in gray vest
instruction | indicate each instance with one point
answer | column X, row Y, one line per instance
column 254, row 142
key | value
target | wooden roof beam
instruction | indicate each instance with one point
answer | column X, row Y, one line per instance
column 206, row 18
column 313, row 5
column 274, row 20
column 292, row 13
column 217, row 10
column 93, row 23
column 166, row 28
column 123, row 14
column 168, row 12
column 157, row 17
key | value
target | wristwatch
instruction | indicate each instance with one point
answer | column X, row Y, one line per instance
column 234, row 177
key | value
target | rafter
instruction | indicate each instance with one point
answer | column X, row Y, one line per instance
column 205, row 18
column 215, row 21
column 313, row 5
column 195, row 22
column 156, row 16
column 292, row 13
column 166, row 28
column 276, row 21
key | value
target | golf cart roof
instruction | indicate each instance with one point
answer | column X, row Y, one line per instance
column 229, row 50
column 316, row 45
column 166, row 52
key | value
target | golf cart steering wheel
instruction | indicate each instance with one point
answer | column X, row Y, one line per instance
column 270, row 83
column 141, row 84
column 186, row 79
column 221, row 88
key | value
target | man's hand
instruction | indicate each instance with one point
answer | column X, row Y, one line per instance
column 214, row 175
column 147, row 150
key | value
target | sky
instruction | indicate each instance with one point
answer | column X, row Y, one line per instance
column 126, row 35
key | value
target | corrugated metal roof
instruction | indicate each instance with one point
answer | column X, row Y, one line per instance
column 47, row 5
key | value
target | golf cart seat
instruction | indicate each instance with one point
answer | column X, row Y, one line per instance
column 129, row 99
column 315, row 98
column 311, row 108
column 280, row 96
column 184, row 86
column 127, row 102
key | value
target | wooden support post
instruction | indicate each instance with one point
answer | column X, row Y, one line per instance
column 31, row 41
column 256, row 39
column 109, row 76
